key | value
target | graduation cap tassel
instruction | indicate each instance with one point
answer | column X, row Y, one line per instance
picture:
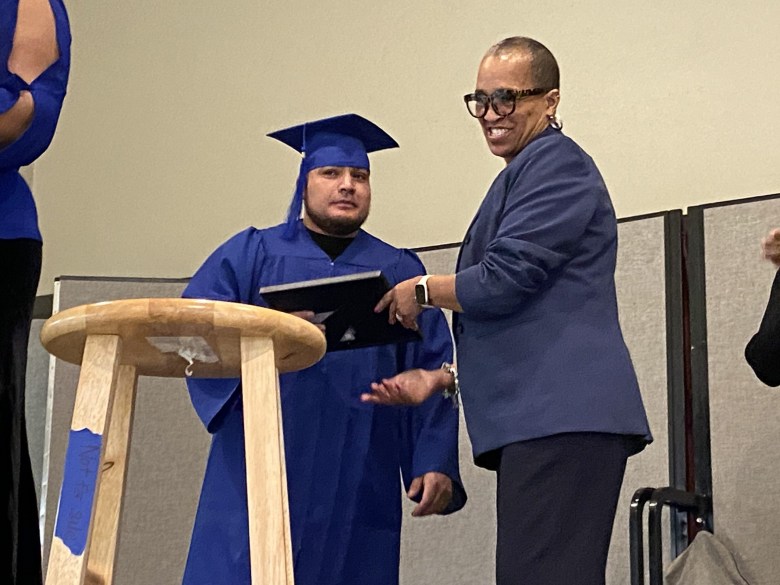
column 296, row 205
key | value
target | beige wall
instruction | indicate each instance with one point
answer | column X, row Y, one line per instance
column 160, row 154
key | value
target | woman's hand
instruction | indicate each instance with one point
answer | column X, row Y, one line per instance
column 403, row 307
column 410, row 387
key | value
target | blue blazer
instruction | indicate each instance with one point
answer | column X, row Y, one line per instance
column 540, row 350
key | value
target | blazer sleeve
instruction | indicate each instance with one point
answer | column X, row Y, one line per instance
column 550, row 202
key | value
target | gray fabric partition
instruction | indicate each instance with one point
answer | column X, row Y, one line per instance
column 743, row 431
column 35, row 406
column 641, row 280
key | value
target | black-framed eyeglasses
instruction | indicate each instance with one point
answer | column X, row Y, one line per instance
column 503, row 101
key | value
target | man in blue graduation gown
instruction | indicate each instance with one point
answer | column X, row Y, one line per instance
column 343, row 457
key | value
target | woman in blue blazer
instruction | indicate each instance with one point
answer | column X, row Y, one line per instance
column 550, row 396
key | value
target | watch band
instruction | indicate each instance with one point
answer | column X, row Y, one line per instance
column 453, row 390
column 421, row 291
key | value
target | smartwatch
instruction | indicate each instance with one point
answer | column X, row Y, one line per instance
column 421, row 292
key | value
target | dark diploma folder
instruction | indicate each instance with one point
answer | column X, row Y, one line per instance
column 345, row 305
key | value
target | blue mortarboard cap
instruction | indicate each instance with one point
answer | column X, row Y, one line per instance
column 340, row 141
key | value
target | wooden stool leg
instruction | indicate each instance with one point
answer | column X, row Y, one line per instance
column 269, row 519
column 108, row 506
column 83, row 460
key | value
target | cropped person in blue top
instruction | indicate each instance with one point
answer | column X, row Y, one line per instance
column 550, row 396
column 35, row 57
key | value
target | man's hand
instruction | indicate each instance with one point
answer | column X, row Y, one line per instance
column 436, row 493
column 309, row 316
column 770, row 245
column 403, row 304
column 409, row 387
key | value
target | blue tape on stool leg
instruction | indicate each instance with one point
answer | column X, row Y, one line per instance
column 78, row 489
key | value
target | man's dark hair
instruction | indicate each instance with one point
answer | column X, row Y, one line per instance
column 544, row 67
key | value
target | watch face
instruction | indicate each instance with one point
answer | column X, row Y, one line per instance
column 419, row 294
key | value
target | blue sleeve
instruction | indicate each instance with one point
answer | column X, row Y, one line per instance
column 34, row 141
column 10, row 84
column 429, row 433
column 550, row 202
column 47, row 104
column 229, row 275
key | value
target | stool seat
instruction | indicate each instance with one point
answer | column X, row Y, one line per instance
column 140, row 322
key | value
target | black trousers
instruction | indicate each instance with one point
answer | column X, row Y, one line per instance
column 20, row 547
column 556, row 503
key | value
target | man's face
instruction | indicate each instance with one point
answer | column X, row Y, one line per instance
column 337, row 200
column 507, row 135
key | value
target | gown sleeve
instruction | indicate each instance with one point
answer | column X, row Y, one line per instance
column 763, row 349
column 229, row 274
column 429, row 433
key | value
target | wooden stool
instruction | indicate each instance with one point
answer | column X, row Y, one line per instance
column 117, row 341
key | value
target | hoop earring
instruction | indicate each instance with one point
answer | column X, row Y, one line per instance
column 555, row 122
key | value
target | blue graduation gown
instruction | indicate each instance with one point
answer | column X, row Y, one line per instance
column 343, row 457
